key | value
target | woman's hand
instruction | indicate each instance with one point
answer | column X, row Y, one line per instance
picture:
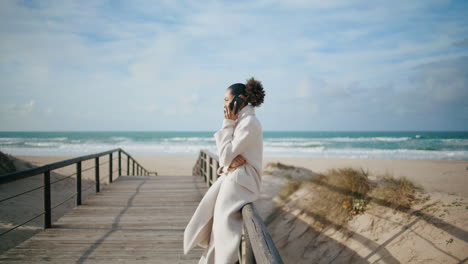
column 237, row 162
column 229, row 114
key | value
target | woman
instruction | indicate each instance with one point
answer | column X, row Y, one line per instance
column 217, row 222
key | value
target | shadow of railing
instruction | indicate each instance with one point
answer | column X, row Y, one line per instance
column 449, row 228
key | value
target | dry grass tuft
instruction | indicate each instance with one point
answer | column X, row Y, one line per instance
column 6, row 163
column 396, row 193
column 340, row 194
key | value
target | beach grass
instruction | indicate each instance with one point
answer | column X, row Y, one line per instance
column 341, row 193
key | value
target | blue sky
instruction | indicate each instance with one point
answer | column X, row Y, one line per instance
column 149, row 65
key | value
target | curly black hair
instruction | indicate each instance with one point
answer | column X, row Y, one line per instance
column 255, row 92
column 252, row 90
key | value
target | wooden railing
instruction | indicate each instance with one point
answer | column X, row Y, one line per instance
column 259, row 247
column 137, row 169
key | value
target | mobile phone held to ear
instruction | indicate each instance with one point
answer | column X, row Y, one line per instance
column 238, row 104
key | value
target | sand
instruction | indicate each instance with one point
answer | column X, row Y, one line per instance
column 433, row 175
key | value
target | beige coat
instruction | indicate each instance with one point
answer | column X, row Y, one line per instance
column 216, row 224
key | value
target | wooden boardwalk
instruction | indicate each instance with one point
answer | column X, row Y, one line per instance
column 135, row 219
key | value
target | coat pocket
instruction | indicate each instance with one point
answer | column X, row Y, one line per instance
column 244, row 177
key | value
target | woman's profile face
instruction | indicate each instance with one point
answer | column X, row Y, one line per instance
column 228, row 98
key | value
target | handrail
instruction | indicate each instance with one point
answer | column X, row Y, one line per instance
column 137, row 170
column 259, row 246
column 57, row 165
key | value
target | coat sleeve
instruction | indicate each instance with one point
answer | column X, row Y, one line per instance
column 229, row 146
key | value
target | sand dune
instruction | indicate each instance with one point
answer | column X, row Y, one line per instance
column 434, row 230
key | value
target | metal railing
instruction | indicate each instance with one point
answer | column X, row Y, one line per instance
column 137, row 170
column 259, row 247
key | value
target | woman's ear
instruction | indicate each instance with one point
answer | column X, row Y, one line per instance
column 244, row 99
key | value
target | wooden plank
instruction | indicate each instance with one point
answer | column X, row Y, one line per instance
column 136, row 219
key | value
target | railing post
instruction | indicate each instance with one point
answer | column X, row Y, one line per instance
column 201, row 165
column 128, row 165
column 46, row 200
column 110, row 168
column 217, row 168
column 96, row 170
column 120, row 163
column 78, row 183
column 133, row 167
column 211, row 168
column 205, row 172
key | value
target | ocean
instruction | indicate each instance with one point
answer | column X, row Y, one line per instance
column 372, row 145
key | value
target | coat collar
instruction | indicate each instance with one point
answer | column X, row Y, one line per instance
column 245, row 111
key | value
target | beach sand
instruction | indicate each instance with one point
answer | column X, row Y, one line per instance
column 433, row 175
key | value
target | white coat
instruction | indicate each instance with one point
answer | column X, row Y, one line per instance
column 216, row 224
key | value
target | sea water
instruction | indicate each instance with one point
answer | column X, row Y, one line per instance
column 380, row 145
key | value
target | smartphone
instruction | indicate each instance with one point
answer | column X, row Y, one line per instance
column 238, row 104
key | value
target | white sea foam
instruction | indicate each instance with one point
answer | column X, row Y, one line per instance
column 184, row 139
column 361, row 139
column 370, row 153
column 43, row 144
column 120, row 138
column 284, row 146
column 294, row 143
column 340, row 139
column 59, row 138
column 456, row 141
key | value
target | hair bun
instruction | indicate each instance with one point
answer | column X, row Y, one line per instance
column 255, row 92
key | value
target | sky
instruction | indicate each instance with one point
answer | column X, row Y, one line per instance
column 165, row 65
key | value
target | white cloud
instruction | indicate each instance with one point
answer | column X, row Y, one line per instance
column 444, row 81
column 319, row 88
column 18, row 108
column 47, row 110
column 303, row 89
column 149, row 108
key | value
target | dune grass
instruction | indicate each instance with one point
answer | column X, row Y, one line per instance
column 339, row 194
column 396, row 192
column 6, row 163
